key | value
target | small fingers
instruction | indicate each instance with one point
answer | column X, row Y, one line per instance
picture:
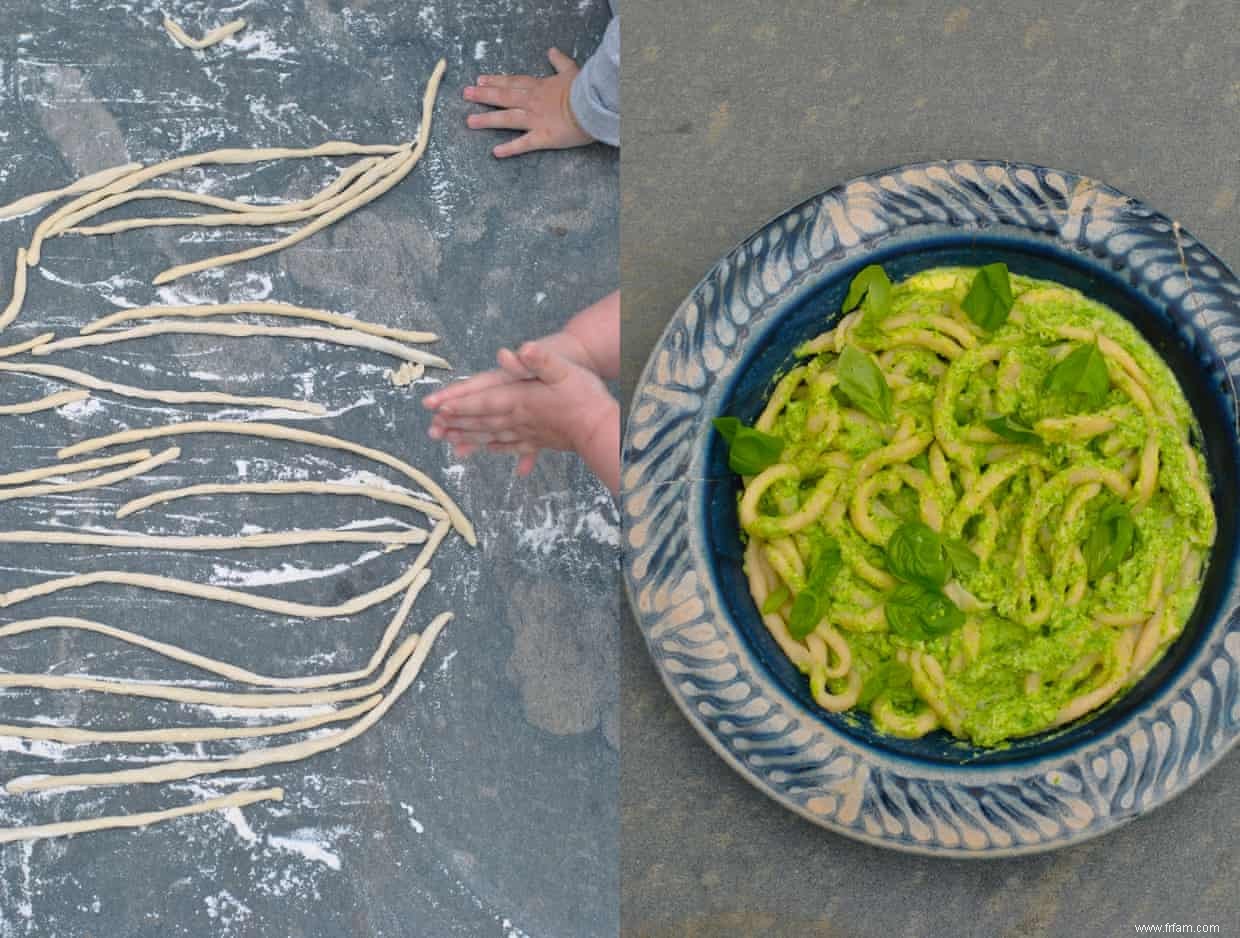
column 482, row 437
column 459, row 389
column 464, row 450
column 512, row 366
column 497, row 97
column 507, row 81
column 525, row 465
column 523, row 144
column 498, row 400
column 560, row 62
column 511, row 119
column 496, row 422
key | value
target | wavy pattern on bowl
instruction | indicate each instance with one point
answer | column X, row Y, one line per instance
column 857, row 789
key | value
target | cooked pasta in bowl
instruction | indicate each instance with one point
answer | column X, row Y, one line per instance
column 978, row 503
column 929, row 508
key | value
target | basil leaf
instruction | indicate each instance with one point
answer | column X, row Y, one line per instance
column 989, row 300
column 749, row 450
column 874, row 286
column 915, row 554
column 892, row 675
column 1109, row 541
column 1012, row 430
column 963, row 560
column 727, row 427
column 1082, row 372
column 916, row 614
column 775, row 600
column 862, row 382
column 806, row 614
column 825, row 562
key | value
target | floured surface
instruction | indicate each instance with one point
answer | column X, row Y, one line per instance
column 484, row 804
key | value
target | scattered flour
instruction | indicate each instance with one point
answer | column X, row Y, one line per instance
column 313, row 850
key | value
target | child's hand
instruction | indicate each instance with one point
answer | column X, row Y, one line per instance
column 560, row 405
column 539, row 106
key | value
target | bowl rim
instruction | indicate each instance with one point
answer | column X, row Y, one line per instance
column 1043, row 190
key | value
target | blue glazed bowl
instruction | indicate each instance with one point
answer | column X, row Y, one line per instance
column 720, row 355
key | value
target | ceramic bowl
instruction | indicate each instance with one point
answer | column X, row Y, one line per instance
column 720, row 354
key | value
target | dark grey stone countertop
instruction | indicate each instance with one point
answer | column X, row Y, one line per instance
column 485, row 803
column 738, row 110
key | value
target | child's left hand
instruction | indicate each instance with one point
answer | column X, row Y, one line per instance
column 538, row 399
column 539, row 106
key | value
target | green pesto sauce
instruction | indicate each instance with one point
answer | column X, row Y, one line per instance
column 989, row 690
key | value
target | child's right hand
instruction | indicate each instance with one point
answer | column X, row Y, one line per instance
column 539, row 106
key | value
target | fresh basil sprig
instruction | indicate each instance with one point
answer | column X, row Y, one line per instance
column 873, row 286
column 917, row 554
column 749, row 450
column 963, row 560
column 774, row 600
column 1109, row 541
column 893, row 678
column 1082, row 373
column 1012, row 429
column 916, row 613
column 989, row 300
column 862, row 382
column 811, row 603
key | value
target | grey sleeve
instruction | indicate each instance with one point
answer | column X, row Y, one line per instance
column 596, row 90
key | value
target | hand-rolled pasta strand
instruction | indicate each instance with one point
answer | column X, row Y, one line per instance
column 51, row 402
column 430, row 509
column 247, row 215
column 275, row 431
column 255, row 758
column 214, row 37
column 211, row 157
column 164, row 584
column 75, row 736
column 349, row 337
column 8, row 351
column 150, row 394
column 14, row 307
column 68, row 828
column 346, row 177
column 286, row 310
column 94, row 482
column 68, row 469
column 264, row 541
column 337, row 213
column 98, row 180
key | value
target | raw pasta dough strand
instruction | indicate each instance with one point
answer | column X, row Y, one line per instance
column 232, row 672
column 64, row 469
column 350, row 337
column 247, row 216
column 191, row 695
column 261, row 309
column 51, row 402
column 255, row 758
column 232, row 156
column 8, row 351
column 339, row 212
column 13, row 310
column 73, row 736
column 165, row 397
column 94, row 181
column 275, row 431
column 67, row 828
column 284, row 488
column 241, row 542
column 164, row 584
column 94, row 482
column 69, row 224
column 215, row 36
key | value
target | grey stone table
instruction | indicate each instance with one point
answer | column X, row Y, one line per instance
column 485, row 803
column 736, row 110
